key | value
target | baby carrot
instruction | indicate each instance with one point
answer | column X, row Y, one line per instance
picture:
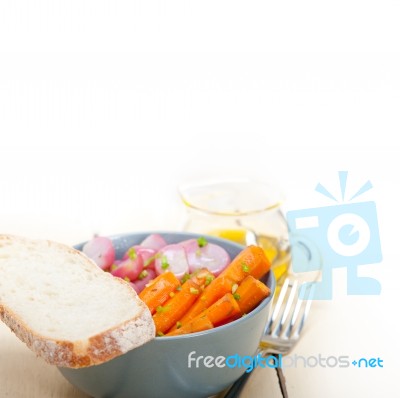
column 157, row 292
column 250, row 261
column 198, row 324
column 203, row 277
column 214, row 291
column 250, row 293
column 225, row 308
column 173, row 309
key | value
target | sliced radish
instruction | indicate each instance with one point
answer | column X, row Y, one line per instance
column 134, row 287
column 148, row 275
column 172, row 258
column 154, row 241
column 101, row 251
column 206, row 255
column 148, row 255
column 187, row 243
column 129, row 268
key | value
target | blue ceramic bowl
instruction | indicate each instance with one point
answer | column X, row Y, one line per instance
column 179, row 366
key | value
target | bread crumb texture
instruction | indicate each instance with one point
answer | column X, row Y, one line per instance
column 64, row 307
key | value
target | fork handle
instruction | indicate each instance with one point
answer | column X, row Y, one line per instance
column 237, row 386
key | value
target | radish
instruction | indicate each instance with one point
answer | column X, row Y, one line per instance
column 154, row 241
column 129, row 269
column 172, row 258
column 154, row 256
column 101, row 251
column 134, row 287
column 148, row 275
column 148, row 255
column 201, row 254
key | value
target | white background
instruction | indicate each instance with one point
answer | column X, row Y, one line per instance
column 106, row 106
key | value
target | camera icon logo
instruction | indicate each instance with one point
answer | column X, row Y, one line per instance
column 343, row 235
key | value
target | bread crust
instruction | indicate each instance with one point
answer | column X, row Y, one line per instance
column 94, row 350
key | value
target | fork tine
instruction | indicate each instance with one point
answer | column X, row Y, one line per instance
column 296, row 311
column 310, row 288
column 287, row 308
column 278, row 306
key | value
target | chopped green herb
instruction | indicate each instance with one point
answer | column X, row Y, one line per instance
column 150, row 260
column 234, row 287
column 178, row 325
column 201, row 273
column 209, row 279
column 185, row 277
column 143, row 274
column 132, row 253
column 194, row 291
column 164, row 262
column 127, row 279
column 236, row 296
column 163, row 309
column 245, row 267
column 114, row 267
column 202, row 241
column 179, row 288
column 160, row 334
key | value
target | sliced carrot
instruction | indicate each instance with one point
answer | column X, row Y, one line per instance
column 250, row 261
column 173, row 309
column 250, row 293
column 157, row 292
column 225, row 308
column 198, row 324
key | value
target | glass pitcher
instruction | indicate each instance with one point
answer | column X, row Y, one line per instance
column 242, row 210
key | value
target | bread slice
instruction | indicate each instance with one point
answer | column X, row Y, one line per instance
column 64, row 307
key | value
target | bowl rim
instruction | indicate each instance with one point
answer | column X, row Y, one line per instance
column 218, row 329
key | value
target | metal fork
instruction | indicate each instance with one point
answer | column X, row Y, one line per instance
column 284, row 325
